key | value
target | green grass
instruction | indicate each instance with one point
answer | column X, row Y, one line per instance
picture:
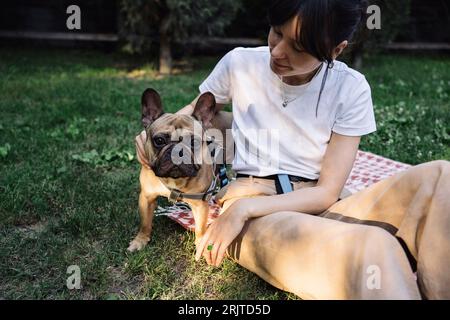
column 69, row 180
column 412, row 107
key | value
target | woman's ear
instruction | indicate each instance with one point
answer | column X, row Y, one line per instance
column 340, row 47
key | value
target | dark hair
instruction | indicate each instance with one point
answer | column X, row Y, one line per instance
column 324, row 25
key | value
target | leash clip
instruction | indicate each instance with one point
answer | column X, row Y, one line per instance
column 207, row 196
column 175, row 195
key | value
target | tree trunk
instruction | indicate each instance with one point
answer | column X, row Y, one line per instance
column 358, row 60
column 357, row 55
column 165, row 52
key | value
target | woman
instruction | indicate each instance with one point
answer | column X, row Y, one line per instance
column 314, row 241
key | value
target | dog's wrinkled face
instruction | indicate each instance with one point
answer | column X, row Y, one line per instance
column 174, row 145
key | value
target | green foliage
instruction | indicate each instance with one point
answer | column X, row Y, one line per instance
column 412, row 108
column 395, row 15
column 108, row 158
column 250, row 21
column 4, row 150
column 141, row 20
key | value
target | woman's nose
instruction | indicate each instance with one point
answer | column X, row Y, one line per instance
column 278, row 51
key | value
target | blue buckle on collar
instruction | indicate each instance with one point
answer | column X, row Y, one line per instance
column 223, row 175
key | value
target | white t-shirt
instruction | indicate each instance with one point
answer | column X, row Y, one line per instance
column 272, row 139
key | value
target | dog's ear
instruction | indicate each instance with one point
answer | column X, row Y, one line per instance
column 151, row 107
column 205, row 109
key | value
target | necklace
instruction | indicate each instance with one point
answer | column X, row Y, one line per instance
column 283, row 96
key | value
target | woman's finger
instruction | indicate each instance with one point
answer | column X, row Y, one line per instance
column 209, row 242
column 199, row 252
column 207, row 254
column 138, row 143
column 201, row 245
column 143, row 135
column 138, row 151
column 215, row 251
column 221, row 254
column 139, row 140
column 142, row 160
column 142, row 142
column 141, row 155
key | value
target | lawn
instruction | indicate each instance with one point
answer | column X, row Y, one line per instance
column 69, row 179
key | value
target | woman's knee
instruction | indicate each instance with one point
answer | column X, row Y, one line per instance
column 427, row 173
column 440, row 166
column 437, row 168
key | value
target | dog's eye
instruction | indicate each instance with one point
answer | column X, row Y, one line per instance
column 159, row 141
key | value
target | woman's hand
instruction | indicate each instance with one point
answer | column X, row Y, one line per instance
column 140, row 151
column 222, row 232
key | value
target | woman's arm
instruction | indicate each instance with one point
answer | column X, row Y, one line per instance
column 189, row 108
column 337, row 164
column 336, row 167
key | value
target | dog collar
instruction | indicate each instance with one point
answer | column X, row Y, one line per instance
column 177, row 195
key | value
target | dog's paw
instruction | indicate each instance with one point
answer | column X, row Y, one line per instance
column 138, row 243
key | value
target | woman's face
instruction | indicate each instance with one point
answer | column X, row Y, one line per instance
column 286, row 57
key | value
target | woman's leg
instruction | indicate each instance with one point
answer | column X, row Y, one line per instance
column 413, row 205
column 319, row 258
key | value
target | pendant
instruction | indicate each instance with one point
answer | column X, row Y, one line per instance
column 285, row 103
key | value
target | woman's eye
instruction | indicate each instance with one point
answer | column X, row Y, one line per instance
column 277, row 32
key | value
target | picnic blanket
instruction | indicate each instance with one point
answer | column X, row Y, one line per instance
column 368, row 169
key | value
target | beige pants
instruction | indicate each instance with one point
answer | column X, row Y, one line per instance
column 359, row 248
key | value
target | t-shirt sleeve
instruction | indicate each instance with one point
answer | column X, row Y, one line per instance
column 356, row 116
column 219, row 80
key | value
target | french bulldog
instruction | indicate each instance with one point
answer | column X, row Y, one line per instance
column 179, row 137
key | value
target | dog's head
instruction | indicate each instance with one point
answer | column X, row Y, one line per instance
column 176, row 146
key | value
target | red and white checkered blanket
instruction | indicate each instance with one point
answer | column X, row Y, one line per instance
column 368, row 169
